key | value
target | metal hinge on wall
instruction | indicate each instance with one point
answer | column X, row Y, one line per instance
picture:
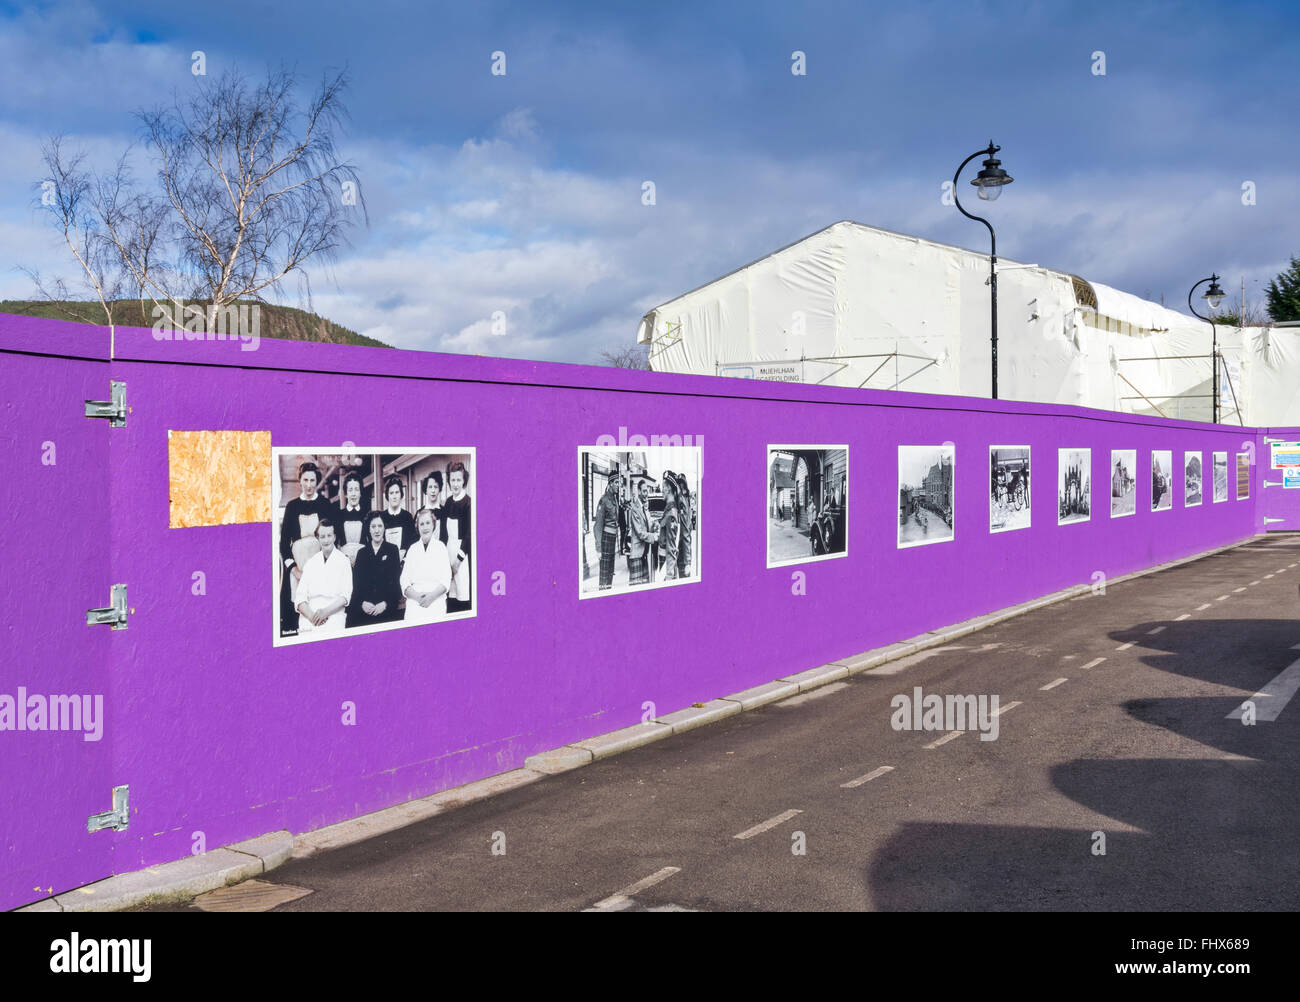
column 118, row 818
column 115, row 615
column 115, row 409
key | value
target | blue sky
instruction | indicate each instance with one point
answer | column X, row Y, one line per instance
column 522, row 193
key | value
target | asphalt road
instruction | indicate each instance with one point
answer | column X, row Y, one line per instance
column 1198, row 811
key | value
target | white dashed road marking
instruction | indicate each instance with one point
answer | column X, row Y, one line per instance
column 1186, row 615
column 621, row 900
column 1093, row 663
column 1158, row 629
column 1235, row 590
column 1052, row 685
column 1202, row 608
column 1221, row 598
column 873, row 774
column 1272, row 699
column 1008, row 708
column 1124, row 647
column 945, row 739
column 758, row 829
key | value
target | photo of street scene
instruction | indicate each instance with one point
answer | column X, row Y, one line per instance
column 1162, row 480
column 1243, row 476
column 371, row 540
column 1123, row 482
column 925, row 494
column 1220, row 476
column 1191, row 479
column 1073, row 485
column 807, row 503
column 638, row 518
column 1008, row 487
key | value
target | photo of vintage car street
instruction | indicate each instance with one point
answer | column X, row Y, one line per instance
column 807, row 503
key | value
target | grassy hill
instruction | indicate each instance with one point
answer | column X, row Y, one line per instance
column 276, row 321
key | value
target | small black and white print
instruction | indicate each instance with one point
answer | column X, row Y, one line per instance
column 1008, row 487
column 1073, row 485
column 1162, row 479
column 807, row 503
column 1123, row 482
column 639, row 518
column 926, row 497
column 1220, row 476
column 1191, row 479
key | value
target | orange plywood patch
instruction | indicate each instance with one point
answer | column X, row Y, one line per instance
column 218, row 477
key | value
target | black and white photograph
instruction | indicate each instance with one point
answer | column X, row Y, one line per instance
column 1123, row 482
column 1220, row 476
column 1008, row 487
column 1073, row 485
column 807, row 503
column 1162, row 479
column 1191, row 479
column 1243, row 476
column 370, row 539
column 638, row 518
column 925, row 494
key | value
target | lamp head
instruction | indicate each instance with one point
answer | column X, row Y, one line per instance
column 1214, row 295
column 991, row 179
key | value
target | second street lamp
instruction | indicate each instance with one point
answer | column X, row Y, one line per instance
column 1213, row 297
column 989, row 181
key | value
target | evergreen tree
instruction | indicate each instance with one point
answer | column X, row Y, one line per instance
column 1284, row 294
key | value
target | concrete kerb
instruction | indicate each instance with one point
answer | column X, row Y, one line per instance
column 187, row 878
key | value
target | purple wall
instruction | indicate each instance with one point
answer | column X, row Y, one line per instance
column 217, row 731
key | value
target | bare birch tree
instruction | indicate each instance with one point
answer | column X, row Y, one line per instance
column 249, row 189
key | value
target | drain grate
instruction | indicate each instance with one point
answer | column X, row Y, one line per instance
column 250, row 896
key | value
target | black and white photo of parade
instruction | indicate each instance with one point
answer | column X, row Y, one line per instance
column 925, row 494
column 638, row 518
column 368, row 540
column 1123, row 482
column 1220, row 476
column 1073, row 485
column 1162, row 480
column 1008, row 487
column 1191, row 479
column 807, row 503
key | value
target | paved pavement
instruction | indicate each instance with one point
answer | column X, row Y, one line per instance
column 1115, row 722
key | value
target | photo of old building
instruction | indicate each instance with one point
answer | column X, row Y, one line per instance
column 1123, row 482
column 925, row 494
column 1073, row 485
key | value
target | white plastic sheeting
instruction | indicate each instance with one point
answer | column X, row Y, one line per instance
column 853, row 305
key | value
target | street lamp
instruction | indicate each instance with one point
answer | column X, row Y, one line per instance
column 989, row 183
column 1213, row 296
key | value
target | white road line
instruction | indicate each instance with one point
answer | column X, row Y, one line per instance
column 1296, row 647
column 1222, row 598
column 1267, row 576
column 1253, row 583
column 873, row 774
column 1186, row 615
column 811, row 694
column 1202, row 608
column 1093, row 663
column 1052, row 685
column 1272, row 699
column 1010, row 706
column 758, row 829
column 619, row 901
column 1158, row 629
column 1124, row 647
column 945, row 739
column 1235, row 590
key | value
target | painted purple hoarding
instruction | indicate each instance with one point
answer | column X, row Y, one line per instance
column 222, row 736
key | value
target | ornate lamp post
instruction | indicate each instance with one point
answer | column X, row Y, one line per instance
column 989, row 182
column 1213, row 296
